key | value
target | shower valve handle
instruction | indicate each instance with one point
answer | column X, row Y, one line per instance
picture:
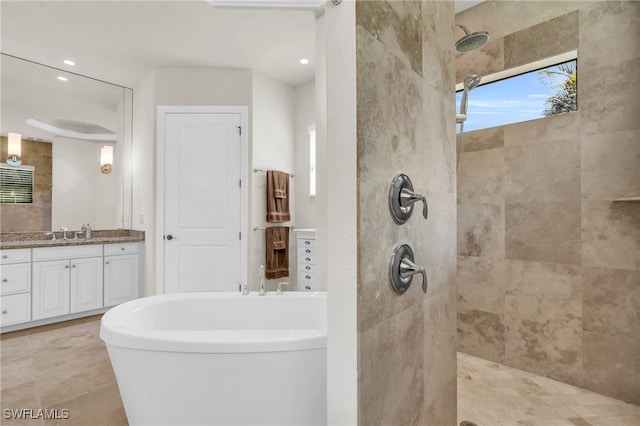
column 408, row 197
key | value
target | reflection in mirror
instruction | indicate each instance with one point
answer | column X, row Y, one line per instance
column 65, row 120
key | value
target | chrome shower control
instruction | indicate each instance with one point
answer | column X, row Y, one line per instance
column 402, row 269
column 402, row 197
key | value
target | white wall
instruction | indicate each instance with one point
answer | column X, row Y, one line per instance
column 143, row 155
column 305, row 106
column 340, row 227
column 81, row 192
column 273, row 148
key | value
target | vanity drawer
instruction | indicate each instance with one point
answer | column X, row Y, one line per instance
column 124, row 248
column 15, row 278
column 15, row 309
column 52, row 253
column 15, row 256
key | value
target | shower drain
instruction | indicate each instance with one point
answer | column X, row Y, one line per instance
column 467, row 423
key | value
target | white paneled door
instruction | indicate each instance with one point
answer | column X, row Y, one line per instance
column 202, row 202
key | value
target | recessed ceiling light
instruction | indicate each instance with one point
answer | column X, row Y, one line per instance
column 304, row 61
column 61, row 78
column 69, row 62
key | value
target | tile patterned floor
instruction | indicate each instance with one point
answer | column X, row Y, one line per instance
column 66, row 366
column 60, row 366
column 491, row 394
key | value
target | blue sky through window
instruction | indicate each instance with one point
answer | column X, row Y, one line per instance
column 511, row 100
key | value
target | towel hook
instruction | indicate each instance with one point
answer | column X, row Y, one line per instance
column 402, row 197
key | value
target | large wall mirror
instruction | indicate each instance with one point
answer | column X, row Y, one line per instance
column 65, row 121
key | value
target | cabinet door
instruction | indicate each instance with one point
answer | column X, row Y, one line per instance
column 50, row 289
column 120, row 279
column 86, row 284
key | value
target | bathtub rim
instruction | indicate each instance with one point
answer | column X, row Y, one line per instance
column 115, row 331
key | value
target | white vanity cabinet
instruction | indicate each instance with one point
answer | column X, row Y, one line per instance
column 66, row 280
column 306, row 259
column 15, row 286
column 42, row 285
column 121, row 273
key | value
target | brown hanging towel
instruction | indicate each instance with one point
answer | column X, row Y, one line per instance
column 277, row 245
column 278, row 196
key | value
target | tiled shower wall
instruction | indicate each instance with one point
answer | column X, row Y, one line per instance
column 405, row 123
column 548, row 263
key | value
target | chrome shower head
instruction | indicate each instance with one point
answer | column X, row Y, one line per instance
column 471, row 40
column 470, row 82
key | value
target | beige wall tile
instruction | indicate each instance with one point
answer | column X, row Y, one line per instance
column 612, row 365
column 391, row 361
column 559, row 127
column 439, row 316
column 546, row 172
column 479, row 140
column 610, row 165
column 405, row 123
column 481, row 284
column 605, row 97
column 481, row 177
column 543, row 232
column 481, row 230
column 610, row 32
column 481, row 334
column 611, row 303
column 552, row 348
column 549, row 38
column 611, row 235
column 542, row 291
column 398, row 25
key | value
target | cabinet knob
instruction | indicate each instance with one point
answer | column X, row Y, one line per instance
column 308, row 268
column 4, row 312
column 4, row 280
column 308, row 287
column 106, row 263
column 122, row 248
column 307, row 242
column 308, row 259
column 307, row 251
column 73, row 266
column 307, row 277
column 4, row 256
column 66, row 266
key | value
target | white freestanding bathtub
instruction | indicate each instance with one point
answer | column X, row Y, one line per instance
column 220, row 358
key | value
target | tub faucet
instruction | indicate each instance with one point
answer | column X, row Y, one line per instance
column 262, row 291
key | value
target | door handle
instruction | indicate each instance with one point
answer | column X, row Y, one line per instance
column 171, row 237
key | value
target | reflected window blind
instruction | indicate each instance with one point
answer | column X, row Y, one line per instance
column 16, row 184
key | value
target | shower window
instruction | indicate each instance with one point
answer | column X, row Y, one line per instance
column 520, row 95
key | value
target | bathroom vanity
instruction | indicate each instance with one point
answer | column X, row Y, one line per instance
column 46, row 281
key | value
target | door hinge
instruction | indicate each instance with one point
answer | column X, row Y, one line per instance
column 240, row 130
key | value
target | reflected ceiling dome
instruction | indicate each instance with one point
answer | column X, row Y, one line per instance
column 74, row 129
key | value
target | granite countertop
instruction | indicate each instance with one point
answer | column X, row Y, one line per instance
column 15, row 240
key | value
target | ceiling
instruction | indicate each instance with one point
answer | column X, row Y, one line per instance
column 121, row 41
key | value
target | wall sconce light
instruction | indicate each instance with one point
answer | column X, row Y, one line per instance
column 106, row 159
column 14, row 149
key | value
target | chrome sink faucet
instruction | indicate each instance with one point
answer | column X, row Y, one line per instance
column 262, row 291
column 64, row 233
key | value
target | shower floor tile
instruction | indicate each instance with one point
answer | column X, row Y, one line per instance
column 491, row 394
